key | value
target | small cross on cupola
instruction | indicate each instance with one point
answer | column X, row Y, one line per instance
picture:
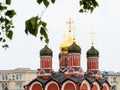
column 70, row 22
column 92, row 37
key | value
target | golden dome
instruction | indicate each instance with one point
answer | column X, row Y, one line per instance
column 65, row 44
column 68, row 41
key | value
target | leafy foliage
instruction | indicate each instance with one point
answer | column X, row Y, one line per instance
column 8, row 2
column 87, row 5
column 10, row 13
column 6, row 24
column 34, row 25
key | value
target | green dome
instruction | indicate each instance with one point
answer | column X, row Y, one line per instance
column 46, row 51
column 74, row 48
column 92, row 52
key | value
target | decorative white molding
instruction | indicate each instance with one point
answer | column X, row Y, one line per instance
column 34, row 84
column 51, row 82
column 87, row 83
column 106, row 85
column 96, row 84
column 67, row 83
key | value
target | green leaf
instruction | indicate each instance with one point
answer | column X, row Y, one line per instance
column 39, row 1
column 10, row 13
column 47, row 40
column 91, row 9
column 81, row 10
column 41, row 38
column 1, row 39
column 53, row 1
column 8, row 2
column 6, row 22
column 46, row 3
column 9, row 34
column 43, row 23
column 2, row 19
column 81, row 2
column 5, row 46
column 27, row 27
column 32, row 26
column 4, row 40
column 44, row 33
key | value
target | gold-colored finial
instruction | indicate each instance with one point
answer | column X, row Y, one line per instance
column 74, row 29
column 92, row 36
column 69, row 23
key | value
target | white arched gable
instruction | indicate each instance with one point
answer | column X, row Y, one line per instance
column 51, row 82
column 96, row 84
column 67, row 83
column 106, row 85
column 36, row 82
column 87, row 84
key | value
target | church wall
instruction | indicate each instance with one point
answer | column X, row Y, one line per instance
column 68, row 85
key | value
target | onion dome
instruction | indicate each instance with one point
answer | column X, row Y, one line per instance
column 74, row 48
column 92, row 52
column 46, row 51
column 64, row 45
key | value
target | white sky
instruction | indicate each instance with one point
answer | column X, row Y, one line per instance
column 104, row 21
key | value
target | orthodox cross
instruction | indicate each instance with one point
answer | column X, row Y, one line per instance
column 69, row 23
column 74, row 29
column 92, row 36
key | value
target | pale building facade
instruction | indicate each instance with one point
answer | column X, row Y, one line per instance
column 113, row 79
column 16, row 79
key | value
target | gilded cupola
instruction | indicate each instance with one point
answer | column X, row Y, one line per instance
column 68, row 40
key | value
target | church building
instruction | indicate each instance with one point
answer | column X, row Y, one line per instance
column 70, row 75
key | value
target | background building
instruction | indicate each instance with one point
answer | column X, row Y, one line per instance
column 16, row 79
column 113, row 78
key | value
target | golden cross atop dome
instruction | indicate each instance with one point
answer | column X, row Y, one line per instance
column 74, row 29
column 92, row 36
column 69, row 23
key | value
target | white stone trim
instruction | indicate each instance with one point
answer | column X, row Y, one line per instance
column 34, row 84
column 96, row 84
column 67, row 83
column 87, row 83
column 106, row 85
column 51, row 82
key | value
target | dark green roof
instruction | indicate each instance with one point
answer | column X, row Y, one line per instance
column 74, row 48
column 92, row 52
column 46, row 51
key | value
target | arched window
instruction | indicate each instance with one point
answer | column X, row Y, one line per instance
column 95, row 86
column 105, row 87
column 52, row 86
column 69, row 85
column 36, row 86
column 85, row 85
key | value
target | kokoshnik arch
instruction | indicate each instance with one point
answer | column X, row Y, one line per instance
column 70, row 75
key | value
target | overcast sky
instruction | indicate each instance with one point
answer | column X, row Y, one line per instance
column 104, row 21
